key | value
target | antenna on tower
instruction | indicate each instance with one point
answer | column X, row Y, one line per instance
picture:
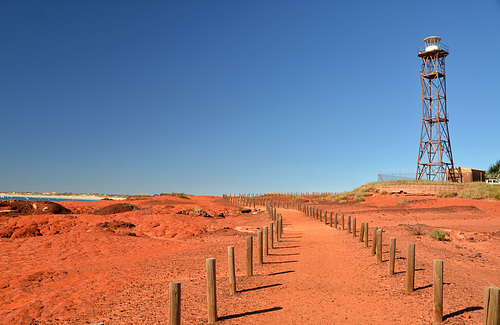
column 435, row 160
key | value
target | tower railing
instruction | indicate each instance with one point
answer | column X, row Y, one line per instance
column 441, row 47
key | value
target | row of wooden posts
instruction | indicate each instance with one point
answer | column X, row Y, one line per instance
column 273, row 233
column 251, row 201
column 266, row 239
column 491, row 296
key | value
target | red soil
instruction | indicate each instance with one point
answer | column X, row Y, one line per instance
column 82, row 267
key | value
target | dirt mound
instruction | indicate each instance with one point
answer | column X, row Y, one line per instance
column 116, row 224
column 118, row 227
column 116, row 208
column 25, row 231
column 201, row 213
column 32, row 207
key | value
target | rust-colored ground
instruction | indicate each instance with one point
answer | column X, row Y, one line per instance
column 91, row 266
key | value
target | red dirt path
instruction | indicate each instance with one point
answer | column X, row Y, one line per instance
column 85, row 268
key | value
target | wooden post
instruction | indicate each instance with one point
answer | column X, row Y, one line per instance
column 366, row 234
column 342, row 221
column 175, row 303
column 266, row 242
column 362, row 231
column 491, row 314
column 326, row 217
column 379, row 246
column 232, row 270
column 211, row 291
column 331, row 217
column 335, row 221
column 271, row 234
column 410, row 268
column 354, row 227
column 260, row 252
column 277, row 230
column 438, row 291
column 392, row 255
column 281, row 226
column 249, row 255
column 374, row 240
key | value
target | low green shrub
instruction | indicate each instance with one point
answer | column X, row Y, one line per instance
column 414, row 229
column 445, row 194
column 480, row 191
column 438, row 234
column 181, row 195
column 359, row 197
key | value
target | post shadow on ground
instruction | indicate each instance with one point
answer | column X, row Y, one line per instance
column 429, row 286
column 405, row 271
column 288, row 241
column 462, row 311
column 280, row 247
column 261, row 287
column 282, row 272
column 281, row 262
column 255, row 312
column 387, row 260
column 292, row 234
column 284, row 254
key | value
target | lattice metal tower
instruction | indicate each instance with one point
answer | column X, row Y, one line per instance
column 434, row 155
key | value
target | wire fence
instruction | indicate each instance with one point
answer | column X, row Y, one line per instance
column 395, row 177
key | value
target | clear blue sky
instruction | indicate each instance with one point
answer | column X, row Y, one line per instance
column 212, row 97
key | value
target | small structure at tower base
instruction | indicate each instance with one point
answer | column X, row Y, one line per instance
column 465, row 175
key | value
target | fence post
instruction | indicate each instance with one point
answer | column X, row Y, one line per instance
column 281, row 226
column 379, row 246
column 277, row 230
column 374, row 240
column 491, row 314
column 342, row 221
column 331, row 217
column 392, row 255
column 259, row 248
column 211, row 291
column 366, row 234
column 354, row 227
column 232, row 270
column 271, row 234
column 348, row 223
column 438, row 291
column 362, row 231
column 335, row 221
column 410, row 268
column 249, row 255
column 175, row 303
column 266, row 242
